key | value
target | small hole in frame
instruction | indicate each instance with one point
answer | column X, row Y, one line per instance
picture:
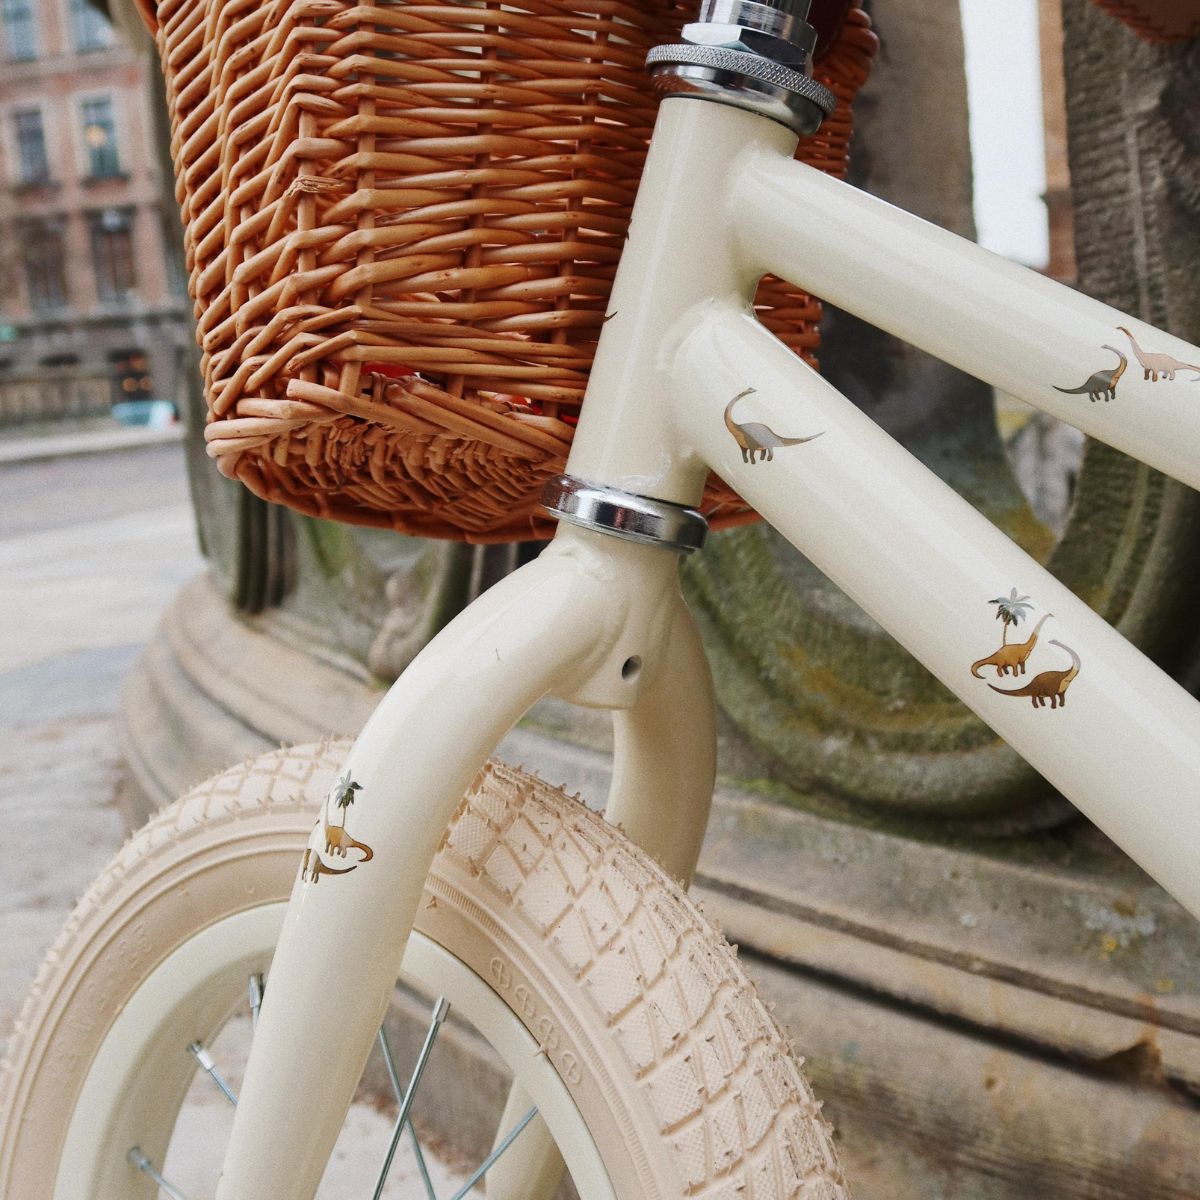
column 632, row 669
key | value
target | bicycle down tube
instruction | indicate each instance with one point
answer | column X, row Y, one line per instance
column 686, row 380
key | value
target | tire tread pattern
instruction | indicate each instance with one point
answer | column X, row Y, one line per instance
column 723, row 1081
column 697, row 1043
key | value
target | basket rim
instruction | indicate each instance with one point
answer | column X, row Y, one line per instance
column 827, row 17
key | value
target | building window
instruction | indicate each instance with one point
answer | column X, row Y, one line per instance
column 112, row 252
column 100, row 138
column 45, row 265
column 91, row 29
column 130, row 376
column 20, row 28
column 32, row 162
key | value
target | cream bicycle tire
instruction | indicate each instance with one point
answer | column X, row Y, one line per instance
column 681, row 1077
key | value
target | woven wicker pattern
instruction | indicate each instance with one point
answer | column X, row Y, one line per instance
column 402, row 224
column 1157, row 20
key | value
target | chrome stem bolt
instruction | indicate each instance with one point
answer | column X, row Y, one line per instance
column 718, row 10
column 756, row 55
column 774, row 29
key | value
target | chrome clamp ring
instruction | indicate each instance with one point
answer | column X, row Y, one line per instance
column 625, row 514
column 743, row 80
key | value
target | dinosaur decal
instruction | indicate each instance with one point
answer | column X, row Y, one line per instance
column 1156, row 365
column 1102, row 385
column 335, row 838
column 338, row 842
column 312, row 868
column 755, row 439
column 1049, row 685
column 1012, row 657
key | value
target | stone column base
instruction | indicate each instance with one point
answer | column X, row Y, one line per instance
column 1019, row 1021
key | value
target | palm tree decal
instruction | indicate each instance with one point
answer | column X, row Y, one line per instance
column 1011, row 610
column 343, row 794
column 336, row 841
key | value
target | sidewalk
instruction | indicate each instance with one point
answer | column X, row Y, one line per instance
column 96, row 536
column 91, row 551
column 18, row 447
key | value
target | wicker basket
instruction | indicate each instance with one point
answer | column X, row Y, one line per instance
column 402, row 225
column 1157, row 20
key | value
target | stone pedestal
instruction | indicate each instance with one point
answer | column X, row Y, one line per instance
column 985, row 1020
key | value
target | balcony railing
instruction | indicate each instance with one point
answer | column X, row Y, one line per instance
column 54, row 394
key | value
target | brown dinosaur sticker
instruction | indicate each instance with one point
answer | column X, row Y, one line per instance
column 755, row 439
column 1048, row 685
column 335, row 838
column 1012, row 657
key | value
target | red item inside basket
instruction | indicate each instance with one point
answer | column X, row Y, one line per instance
column 389, row 370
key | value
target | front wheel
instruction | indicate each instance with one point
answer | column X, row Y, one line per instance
column 623, row 1017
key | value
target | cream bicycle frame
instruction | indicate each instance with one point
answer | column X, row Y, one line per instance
column 600, row 621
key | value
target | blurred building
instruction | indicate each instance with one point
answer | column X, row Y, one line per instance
column 1059, row 207
column 85, row 291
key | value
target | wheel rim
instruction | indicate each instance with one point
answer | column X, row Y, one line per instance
column 136, row 1084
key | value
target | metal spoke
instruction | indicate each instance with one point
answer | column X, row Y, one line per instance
column 136, row 1158
column 404, row 1096
column 398, row 1091
column 488, row 1162
column 440, row 1010
column 207, row 1064
column 255, row 988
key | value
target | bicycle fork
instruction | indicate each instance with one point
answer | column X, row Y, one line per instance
column 595, row 620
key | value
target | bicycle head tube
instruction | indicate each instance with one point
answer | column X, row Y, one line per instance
column 751, row 54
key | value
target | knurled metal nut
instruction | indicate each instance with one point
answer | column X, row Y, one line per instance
column 749, row 65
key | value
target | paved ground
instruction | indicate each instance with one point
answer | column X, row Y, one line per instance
column 91, row 550
column 93, row 437
column 92, row 547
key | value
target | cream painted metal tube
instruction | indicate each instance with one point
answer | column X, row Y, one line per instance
column 1125, row 746
column 682, row 250
column 665, row 760
column 664, row 769
column 1013, row 328
column 565, row 622
column 532, row 1167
